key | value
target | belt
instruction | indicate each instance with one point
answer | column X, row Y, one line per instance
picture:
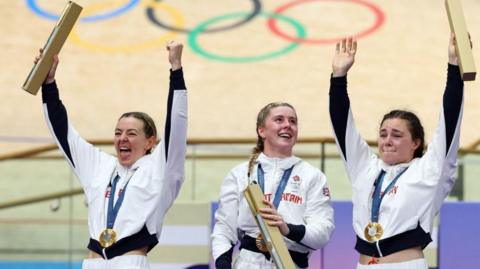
column 135, row 241
column 409, row 239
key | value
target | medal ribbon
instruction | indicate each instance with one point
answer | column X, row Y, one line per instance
column 378, row 196
column 113, row 210
column 281, row 186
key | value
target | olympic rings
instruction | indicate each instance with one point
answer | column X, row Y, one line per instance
column 379, row 19
column 192, row 39
column 97, row 12
column 32, row 4
column 257, row 7
column 159, row 41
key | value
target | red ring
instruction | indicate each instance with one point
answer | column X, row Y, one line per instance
column 379, row 19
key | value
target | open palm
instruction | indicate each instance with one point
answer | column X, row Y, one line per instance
column 344, row 56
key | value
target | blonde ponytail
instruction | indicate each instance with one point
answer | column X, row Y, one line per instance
column 251, row 163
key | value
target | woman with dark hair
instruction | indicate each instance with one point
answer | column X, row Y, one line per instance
column 127, row 195
column 296, row 193
column 397, row 194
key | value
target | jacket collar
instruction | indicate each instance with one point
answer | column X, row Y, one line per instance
column 282, row 163
column 124, row 172
column 397, row 167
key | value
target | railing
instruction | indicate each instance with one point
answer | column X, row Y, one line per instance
column 197, row 152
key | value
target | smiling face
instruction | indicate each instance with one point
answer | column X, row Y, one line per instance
column 395, row 142
column 279, row 132
column 130, row 140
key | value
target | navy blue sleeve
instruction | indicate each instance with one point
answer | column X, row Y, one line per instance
column 224, row 261
column 176, row 83
column 57, row 115
column 339, row 106
column 297, row 232
column 452, row 102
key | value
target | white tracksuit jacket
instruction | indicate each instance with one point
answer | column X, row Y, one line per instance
column 418, row 194
column 155, row 179
column 305, row 201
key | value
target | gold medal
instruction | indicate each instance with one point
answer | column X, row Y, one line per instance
column 108, row 237
column 373, row 231
column 260, row 243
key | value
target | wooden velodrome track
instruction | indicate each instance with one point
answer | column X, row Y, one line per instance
column 118, row 63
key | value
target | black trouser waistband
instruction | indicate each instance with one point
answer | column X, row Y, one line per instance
column 135, row 241
column 299, row 258
column 409, row 239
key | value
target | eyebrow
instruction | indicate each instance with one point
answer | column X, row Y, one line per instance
column 393, row 130
column 283, row 116
column 128, row 130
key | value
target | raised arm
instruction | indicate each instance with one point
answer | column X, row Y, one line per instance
column 339, row 101
column 452, row 98
column 446, row 140
column 170, row 153
column 82, row 157
column 352, row 147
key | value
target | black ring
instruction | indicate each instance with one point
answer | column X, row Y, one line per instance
column 257, row 8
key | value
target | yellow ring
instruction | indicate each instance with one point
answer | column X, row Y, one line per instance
column 156, row 42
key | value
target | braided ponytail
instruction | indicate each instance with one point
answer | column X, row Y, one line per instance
column 251, row 163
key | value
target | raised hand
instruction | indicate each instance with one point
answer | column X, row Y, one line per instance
column 452, row 53
column 272, row 217
column 175, row 54
column 51, row 74
column 344, row 56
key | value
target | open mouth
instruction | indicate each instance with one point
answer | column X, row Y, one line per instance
column 124, row 152
column 285, row 135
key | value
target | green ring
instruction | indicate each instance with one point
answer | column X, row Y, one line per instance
column 192, row 39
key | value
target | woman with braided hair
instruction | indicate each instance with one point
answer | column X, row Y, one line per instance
column 296, row 193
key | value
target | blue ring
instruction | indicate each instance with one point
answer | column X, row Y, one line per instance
column 32, row 4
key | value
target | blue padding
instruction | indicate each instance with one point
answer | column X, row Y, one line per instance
column 459, row 236
column 340, row 252
column 40, row 265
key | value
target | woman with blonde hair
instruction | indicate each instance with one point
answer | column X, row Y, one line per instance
column 296, row 193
